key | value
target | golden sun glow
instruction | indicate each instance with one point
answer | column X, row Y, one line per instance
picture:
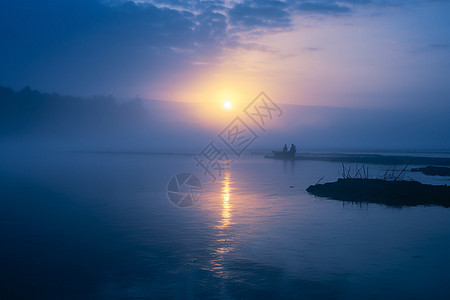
column 227, row 104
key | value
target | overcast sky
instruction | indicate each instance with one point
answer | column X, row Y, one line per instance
column 356, row 53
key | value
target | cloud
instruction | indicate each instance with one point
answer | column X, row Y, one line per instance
column 277, row 15
column 311, row 49
column 260, row 14
column 439, row 46
column 321, row 8
column 93, row 46
column 109, row 46
column 432, row 49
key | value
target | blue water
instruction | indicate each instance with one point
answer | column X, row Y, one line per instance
column 100, row 226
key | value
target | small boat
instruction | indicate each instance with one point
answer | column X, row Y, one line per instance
column 284, row 154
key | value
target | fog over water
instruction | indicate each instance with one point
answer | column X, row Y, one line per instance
column 30, row 119
column 141, row 149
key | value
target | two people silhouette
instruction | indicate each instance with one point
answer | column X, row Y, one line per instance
column 292, row 150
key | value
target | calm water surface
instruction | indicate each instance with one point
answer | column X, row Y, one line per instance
column 100, row 226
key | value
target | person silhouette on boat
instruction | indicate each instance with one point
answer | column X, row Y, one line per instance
column 293, row 149
column 285, row 154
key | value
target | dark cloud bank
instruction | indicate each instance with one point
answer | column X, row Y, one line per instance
column 85, row 47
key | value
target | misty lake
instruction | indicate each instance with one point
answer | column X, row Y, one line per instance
column 100, row 226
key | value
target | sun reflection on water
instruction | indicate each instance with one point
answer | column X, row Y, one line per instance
column 224, row 237
column 226, row 206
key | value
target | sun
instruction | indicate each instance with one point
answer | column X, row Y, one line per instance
column 227, row 104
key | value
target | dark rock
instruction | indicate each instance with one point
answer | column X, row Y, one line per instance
column 392, row 193
column 433, row 171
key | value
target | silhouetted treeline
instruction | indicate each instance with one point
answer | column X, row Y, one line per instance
column 30, row 112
